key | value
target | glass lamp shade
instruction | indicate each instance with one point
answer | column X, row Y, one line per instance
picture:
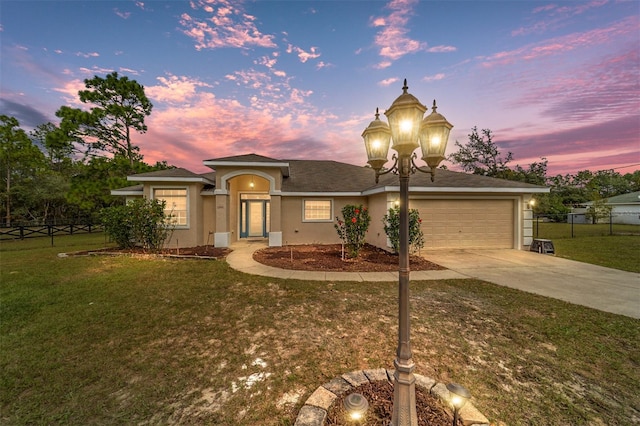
column 434, row 135
column 459, row 395
column 377, row 138
column 405, row 115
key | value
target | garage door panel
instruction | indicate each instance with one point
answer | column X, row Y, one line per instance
column 466, row 223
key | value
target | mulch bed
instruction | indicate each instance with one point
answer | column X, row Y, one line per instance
column 380, row 397
column 329, row 258
column 199, row 251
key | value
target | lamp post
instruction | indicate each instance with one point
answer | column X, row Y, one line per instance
column 407, row 130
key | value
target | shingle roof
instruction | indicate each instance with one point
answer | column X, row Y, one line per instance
column 247, row 158
column 630, row 198
column 332, row 176
column 308, row 176
column 177, row 174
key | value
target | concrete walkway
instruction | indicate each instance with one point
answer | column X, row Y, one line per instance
column 605, row 289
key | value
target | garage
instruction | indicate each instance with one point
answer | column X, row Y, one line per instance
column 471, row 223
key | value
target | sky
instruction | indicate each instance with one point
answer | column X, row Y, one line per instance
column 301, row 79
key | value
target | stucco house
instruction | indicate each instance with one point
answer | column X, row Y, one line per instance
column 288, row 202
column 625, row 209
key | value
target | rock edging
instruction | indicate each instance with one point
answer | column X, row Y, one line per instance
column 314, row 412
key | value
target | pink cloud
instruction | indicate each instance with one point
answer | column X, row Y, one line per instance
column 228, row 26
column 436, row 77
column 392, row 39
column 558, row 45
column 88, row 54
column 303, row 55
column 442, row 49
column 387, row 82
column 190, row 123
column 121, row 14
column 557, row 16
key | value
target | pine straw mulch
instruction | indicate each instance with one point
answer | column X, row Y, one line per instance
column 379, row 394
column 329, row 258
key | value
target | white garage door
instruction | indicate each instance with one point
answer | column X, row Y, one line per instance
column 466, row 223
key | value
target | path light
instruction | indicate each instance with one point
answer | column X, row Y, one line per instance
column 407, row 130
column 459, row 397
column 356, row 406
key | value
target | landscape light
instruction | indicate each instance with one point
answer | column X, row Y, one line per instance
column 356, row 406
column 459, row 397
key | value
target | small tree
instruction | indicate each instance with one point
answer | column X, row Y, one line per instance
column 598, row 210
column 391, row 222
column 353, row 227
column 140, row 222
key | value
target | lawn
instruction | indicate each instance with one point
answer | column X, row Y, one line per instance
column 122, row 340
column 593, row 244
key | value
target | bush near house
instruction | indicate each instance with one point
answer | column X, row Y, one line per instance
column 391, row 222
column 140, row 222
column 353, row 227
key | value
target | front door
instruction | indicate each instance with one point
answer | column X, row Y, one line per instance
column 254, row 218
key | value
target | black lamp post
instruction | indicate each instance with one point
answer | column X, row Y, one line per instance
column 408, row 131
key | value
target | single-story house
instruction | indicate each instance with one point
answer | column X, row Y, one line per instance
column 625, row 209
column 288, row 202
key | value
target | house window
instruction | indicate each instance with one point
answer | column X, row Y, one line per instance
column 317, row 211
column 175, row 204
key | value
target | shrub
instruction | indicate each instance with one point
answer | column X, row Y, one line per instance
column 140, row 222
column 391, row 222
column 353, row 227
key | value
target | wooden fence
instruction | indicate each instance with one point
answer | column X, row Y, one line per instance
column 22, row 232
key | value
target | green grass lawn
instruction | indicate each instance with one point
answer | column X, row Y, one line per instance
column 122, row 340
column 593, row 244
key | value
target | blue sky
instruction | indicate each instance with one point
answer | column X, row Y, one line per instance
column 302, row 79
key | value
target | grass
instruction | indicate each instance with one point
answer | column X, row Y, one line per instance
column 121, row 340
column 593, row 244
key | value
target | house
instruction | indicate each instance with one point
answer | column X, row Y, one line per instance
column 287, row 202
column 625, row 209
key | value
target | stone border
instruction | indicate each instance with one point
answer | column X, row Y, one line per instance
column 314, row 412
column 84, row 253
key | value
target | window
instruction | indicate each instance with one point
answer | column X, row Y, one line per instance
column 175, row 204
column 317, row 211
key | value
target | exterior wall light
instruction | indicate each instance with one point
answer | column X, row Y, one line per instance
column 459, row 397
column 356, row 406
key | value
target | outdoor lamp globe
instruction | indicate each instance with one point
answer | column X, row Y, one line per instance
column 405, row 117
column 377, row 138
column 356, row 406
column 434, row 135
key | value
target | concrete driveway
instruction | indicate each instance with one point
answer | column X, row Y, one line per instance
column 605, row 289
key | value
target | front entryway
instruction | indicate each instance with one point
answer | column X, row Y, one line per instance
column 254, row 216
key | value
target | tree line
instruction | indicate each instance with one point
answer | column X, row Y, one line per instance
column 481, row 156
column 63, row 173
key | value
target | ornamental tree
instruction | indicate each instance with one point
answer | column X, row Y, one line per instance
column 352, row 228
column 391, row 222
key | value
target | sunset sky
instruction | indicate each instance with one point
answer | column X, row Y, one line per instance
column 302, row 79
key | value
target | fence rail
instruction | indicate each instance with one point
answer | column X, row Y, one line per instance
column 22, row 232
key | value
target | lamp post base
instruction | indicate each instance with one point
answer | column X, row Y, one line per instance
column 404, row 396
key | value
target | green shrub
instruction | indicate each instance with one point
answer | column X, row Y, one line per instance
column 391, row 222
column 140, row 222
column 353, row 227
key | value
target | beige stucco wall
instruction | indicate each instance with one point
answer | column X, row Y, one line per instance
column 378, row 206
column 207, row 215
column 296, row 231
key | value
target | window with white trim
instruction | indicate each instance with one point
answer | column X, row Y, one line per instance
column 175, row 204
column 317, row 211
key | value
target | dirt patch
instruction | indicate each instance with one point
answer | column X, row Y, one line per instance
column 329, row 258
